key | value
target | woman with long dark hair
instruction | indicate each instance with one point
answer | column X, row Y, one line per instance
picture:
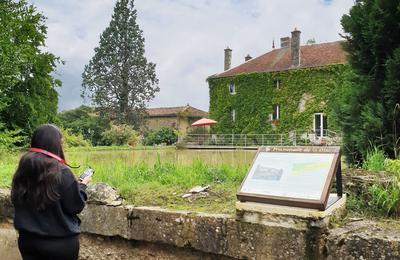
column 47, row 198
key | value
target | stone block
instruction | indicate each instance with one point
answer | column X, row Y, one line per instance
column 155, row 224
column 364, row 239
column 105, row 220
column 6, row 207
column 290, row 232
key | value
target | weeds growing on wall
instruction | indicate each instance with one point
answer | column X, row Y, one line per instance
column 385, row 199
column 380, row 199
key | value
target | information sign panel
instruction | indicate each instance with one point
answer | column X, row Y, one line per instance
column 293, row 176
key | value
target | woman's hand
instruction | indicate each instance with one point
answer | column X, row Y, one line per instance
column 86, row 180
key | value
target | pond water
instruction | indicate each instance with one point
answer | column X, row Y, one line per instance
column 177, row 156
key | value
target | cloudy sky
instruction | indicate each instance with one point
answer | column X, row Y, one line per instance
column 185, row 38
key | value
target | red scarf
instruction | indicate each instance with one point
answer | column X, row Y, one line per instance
column 52, row 155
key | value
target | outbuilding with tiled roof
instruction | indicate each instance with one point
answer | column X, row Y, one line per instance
column 179, row 118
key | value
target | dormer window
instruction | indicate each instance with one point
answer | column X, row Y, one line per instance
column 232, row 88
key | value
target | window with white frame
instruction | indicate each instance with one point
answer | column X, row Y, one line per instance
column 275, row 112
column 320, row 124
column 232, row 88
column 232, row 115
column 277, row 83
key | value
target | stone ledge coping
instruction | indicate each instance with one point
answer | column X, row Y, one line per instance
column 295, row 212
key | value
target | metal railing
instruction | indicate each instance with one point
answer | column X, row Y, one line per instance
column 247, row 140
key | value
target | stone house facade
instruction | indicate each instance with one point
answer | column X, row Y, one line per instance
column 291, row 88
column 179, row 118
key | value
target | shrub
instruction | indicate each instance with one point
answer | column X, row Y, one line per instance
column 133, row 140
column 163, row 135
column 120, row 135
column 10, row 138
column 73, row 140
column 392, row 166
column 86, row 121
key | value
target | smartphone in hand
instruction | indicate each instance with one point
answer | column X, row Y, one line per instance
column 88, row 172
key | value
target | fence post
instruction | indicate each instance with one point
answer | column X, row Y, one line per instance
column 262, row 138
column 232, row 140
column 245, row 140
column 281, row 139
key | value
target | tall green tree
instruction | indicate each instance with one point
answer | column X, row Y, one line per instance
column 86, row 121
column 368, row 109
column 118, row 78
column 28, row 95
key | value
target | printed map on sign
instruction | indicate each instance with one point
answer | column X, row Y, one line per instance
column 298, row 175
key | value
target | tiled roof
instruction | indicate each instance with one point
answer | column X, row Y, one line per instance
column 314, row 55
column 174, row 111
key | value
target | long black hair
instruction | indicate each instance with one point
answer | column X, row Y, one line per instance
column 35, row 183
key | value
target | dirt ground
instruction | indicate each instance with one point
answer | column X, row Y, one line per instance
column 8, row 242
column 99, row 247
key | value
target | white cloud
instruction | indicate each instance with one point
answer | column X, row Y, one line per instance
column 185, row 38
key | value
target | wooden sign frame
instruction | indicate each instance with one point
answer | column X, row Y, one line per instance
column 322, row 202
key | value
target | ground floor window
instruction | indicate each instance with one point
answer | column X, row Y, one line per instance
column 275, row 112
column 320, row 124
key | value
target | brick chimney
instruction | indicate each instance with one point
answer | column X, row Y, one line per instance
column 248, row 57
column 228, row 58
column 285, row 42
column 295, row 48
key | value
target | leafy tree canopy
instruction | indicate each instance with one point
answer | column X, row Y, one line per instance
column 27, row 88
column 369, row 113
column 118, row 78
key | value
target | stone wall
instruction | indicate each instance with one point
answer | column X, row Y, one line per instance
column 224, row 237
column 364, row 239
column 212, row 233
column 181, row 123
column 154, row 123
column 97, row 247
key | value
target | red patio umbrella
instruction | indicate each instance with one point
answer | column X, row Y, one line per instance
column 204, row 121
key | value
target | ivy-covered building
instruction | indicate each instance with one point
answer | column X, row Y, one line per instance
column 291, row 88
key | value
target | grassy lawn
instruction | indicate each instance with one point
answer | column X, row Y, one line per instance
column 8, row 164
column 152, row 183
